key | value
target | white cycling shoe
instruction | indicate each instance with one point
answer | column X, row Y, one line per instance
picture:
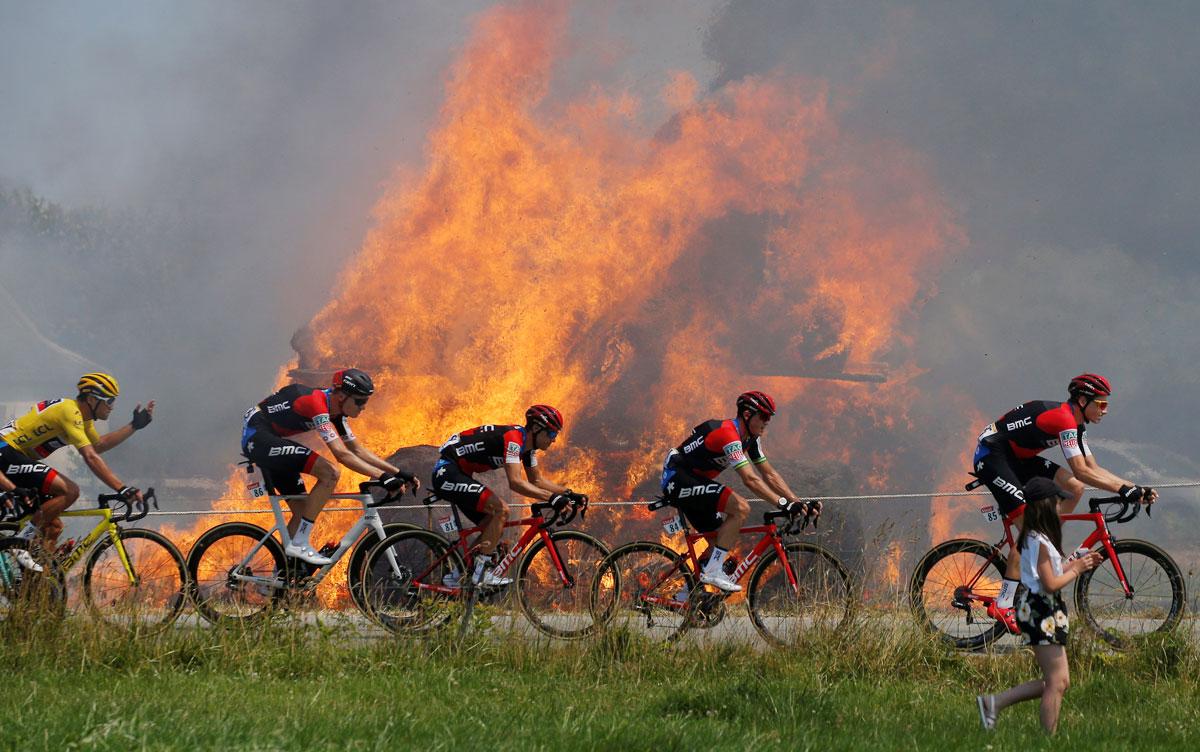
column 719, row 580
column 25, row 559
column 490, row 579
column 306, row 554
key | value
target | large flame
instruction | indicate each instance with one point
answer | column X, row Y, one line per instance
column 556, row 250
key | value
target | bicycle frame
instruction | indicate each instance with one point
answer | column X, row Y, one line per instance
column 770, row 539
column 1100, row 534
column 534, row 529
column 370, row 519
column 104, row 525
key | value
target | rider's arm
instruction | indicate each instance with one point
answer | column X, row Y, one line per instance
column 115, row 437
column 349, row 459
column 1090, row 473
column 512, row 472
column 756, row 484
column 99, row 468
column 380, row 464
column 775, row 481
column 536, row 478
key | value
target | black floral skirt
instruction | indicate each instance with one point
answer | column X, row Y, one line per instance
column 1042, row 618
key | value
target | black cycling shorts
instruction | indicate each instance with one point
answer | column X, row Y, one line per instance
column 1005, row 474
column 25, row 472
column 702, row 500
column 280, row 460
column 460, row 489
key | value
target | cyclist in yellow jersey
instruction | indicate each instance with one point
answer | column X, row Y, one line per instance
column 53, row 424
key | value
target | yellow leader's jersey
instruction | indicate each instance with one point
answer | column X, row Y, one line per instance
column 48, row 427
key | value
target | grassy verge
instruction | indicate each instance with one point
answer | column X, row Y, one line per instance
column 295, row 687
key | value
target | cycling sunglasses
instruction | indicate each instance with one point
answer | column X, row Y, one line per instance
column 1102, row 403
column 361, row 401
column 551, row 434
column 106, row 400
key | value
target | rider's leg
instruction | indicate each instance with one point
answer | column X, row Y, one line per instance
column 63, row 493
column 493, row 524
column 305, row 511
column 1072, row 485
column 737, row 511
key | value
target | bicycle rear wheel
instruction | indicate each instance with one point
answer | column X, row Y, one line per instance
column 411, row 581
column 819, row 605
column 643, row 587
column 148, row 600
column 29, row 599
column 220, row 565
column 555, row 607
column 1156, row 604
column 947, row 588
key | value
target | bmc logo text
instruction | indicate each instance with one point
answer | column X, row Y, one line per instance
column 1022, row 423
column 467, row 448
column 693, row 444
column 278, row 408
column 283, row 450
column 462, row 487
column 699, row 490
column 31, row 468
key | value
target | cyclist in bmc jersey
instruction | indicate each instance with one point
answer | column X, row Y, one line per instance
column 52, row 425
column 1007, row 457
column 492, row 447
column 297, row 409
column 690, row 472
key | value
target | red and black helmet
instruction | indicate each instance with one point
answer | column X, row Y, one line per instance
column 1089, row 385
column 353, row 382
column 759, row 402
column 545, row 416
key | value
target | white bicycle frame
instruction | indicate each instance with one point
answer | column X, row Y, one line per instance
column 370, row 519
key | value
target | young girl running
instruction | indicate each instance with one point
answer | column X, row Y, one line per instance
column 1041, row 612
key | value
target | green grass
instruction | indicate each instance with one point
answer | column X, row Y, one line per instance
column 310, row 688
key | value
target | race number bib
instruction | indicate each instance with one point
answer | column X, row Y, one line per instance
column 448, row 524
column 673, row 525
column 990, row 513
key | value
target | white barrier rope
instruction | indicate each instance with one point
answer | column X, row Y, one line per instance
column 445, row 505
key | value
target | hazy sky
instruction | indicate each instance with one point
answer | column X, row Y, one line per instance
column 1064, row 135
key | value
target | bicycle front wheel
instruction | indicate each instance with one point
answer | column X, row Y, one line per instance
column 949, row 588
column 234, row 578
column 820, row 603
column 411, row 582
column 557, row 599
column 145, row 597
column 644, row 588
column 1155, row 603
column 356, row 568
column 28, row 599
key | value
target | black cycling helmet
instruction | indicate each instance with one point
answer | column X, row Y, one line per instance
column 759, row 402
column 545, row 416
column 353, row 382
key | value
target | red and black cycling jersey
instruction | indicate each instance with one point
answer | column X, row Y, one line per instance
column 296, row 409
column 484, row 448
column 1030, row 429
column 716, row 445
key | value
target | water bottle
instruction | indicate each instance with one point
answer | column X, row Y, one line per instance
column 1079, row 554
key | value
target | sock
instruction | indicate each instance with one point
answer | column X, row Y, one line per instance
column 301, row 537
column 482, row 561
column 1008, row 591
column 715, row 560
column 28, row 532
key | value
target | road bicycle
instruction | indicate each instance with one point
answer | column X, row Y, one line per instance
column 133, row 579
column 240, row 574
column 434, row 584
column 1137, row 590
column 795, row 586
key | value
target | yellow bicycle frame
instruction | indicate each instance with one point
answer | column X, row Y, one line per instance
column 104, row 525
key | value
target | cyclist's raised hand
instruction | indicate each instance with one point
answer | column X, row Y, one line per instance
column 142, row 416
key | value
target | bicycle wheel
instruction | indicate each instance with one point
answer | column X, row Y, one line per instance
column 643, row 587
column 946, row 590
column 29, row 599
column 555, row 607
column 1155, row 606
column 220, row 564
column 820, row 603
column 411, row 581
column 144, row 599
column 357, row 565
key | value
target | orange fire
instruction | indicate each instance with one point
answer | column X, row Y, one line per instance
column 558, row 250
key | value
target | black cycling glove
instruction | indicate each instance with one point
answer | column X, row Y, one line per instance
column 128, row 493
column 559, row 502
column 141, row 418
column 392, row 482
column 1131, row 493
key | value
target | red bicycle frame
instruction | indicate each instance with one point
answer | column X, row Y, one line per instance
column 535, row 528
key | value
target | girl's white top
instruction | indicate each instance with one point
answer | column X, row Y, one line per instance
column 1029, row 560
